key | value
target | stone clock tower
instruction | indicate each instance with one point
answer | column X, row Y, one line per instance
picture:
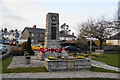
column 52, row 31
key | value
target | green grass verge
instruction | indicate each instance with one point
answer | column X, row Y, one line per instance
column 80, row 79
column 110, row 59
column 7, row 61
column 96, row 69
column 71, row 54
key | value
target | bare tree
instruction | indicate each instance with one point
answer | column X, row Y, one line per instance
column 5, row 30
column 64, row 29
column 96, row 29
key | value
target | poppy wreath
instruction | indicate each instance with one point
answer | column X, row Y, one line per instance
column 43, row 50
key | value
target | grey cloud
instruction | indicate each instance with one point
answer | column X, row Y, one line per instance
column 16, row 17
column 4, row 9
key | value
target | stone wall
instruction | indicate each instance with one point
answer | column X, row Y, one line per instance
column 55, row 65
column 25, row 34
column 67, row 65
column 80, row 64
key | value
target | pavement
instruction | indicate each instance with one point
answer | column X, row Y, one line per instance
column 19, row 62
column 69, row 74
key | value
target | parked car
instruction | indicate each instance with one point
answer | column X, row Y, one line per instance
column 36, row 46
column 7, row 42
column 3, row 42
column 70, row 49
column 3, row 48
column 20, row 41
column 12, row 43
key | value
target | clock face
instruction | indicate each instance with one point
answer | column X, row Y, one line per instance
column 53, row 18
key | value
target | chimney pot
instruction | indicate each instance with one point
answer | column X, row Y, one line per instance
column 73, row 34
column 34, row 26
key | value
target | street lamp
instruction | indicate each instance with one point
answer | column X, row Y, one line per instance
column 90, row 46
column 90, row 43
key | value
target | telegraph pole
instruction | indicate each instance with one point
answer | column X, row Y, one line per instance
column 90, row 46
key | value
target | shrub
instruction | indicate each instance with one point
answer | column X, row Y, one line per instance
column 95, row 55
column 24, row 46
column 28, row 47
column 82, row 44
column 86, row 55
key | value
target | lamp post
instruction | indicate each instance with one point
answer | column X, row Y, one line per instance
column 90, row 46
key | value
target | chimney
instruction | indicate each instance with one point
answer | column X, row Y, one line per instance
column 34, row 26
column 73, row 34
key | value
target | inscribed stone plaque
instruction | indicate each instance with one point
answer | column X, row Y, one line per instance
column 53, row 32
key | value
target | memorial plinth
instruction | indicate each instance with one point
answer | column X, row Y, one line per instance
column 67, row 65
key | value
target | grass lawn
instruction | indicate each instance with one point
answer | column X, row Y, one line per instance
column 7, row 61
column 71, row 54
column 96, row 69
column 110, row 59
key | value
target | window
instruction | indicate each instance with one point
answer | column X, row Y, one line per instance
column 41, row 35
column 32, row 35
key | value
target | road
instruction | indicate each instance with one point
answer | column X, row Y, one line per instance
column 3, row 55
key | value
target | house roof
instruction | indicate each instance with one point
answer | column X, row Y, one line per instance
column 116, row 36
column 40, row 30
column 0, row 32
column 70, row 42
column 8, row 33
column 37, row 30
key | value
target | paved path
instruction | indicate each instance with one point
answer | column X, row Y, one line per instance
column 70, row 74
column 105, row 66
column 19, row 61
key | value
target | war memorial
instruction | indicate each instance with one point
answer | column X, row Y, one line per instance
column 57, row 59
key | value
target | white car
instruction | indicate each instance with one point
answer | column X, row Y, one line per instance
column 3, row 48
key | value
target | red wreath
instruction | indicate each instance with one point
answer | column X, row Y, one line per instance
column 43, row 50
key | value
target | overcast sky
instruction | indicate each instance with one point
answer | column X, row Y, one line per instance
column 17, row 14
